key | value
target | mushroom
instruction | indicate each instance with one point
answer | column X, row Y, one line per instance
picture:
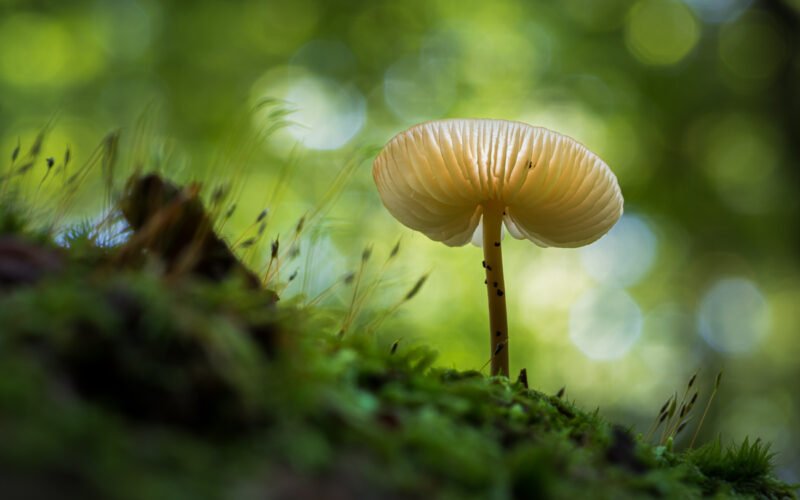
column 445, row 178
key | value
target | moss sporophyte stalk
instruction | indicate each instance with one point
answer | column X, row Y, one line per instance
column 464, row 179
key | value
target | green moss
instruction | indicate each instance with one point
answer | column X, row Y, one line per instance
column 744, row 468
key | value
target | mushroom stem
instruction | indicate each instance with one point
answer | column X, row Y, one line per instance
column 495, row 286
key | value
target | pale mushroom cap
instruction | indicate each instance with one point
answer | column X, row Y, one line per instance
column 435, row 176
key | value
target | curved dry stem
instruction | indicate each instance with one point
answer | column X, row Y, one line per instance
column 495, row 286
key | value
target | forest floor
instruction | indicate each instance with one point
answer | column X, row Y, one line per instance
column 156, row 367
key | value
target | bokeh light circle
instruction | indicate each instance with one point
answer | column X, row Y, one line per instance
column 328, row 114
column 34, row 50
column 549, row 282
column 661, row 32
column 718, row 11
column 734, row 316
column 752, row 47
column 416, row 89
column 625, row 255
column 741, row 156
column 604, row 323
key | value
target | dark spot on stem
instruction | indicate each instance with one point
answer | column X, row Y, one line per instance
column 494, row 284
column 488, row 268
column 498, row 333
column 485, row 282
column 483, row 263
column 497, row 243
column 499, row 293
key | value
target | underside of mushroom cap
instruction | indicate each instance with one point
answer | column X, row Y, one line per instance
column 436, row 178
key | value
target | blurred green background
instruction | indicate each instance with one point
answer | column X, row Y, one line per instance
column 694, row 104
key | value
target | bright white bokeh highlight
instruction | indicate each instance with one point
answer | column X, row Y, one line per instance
column 328, row 114
column 734, row 316
column 624, row 256
column 604, row 323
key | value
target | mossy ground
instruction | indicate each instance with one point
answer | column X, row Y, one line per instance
column 124, row 377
